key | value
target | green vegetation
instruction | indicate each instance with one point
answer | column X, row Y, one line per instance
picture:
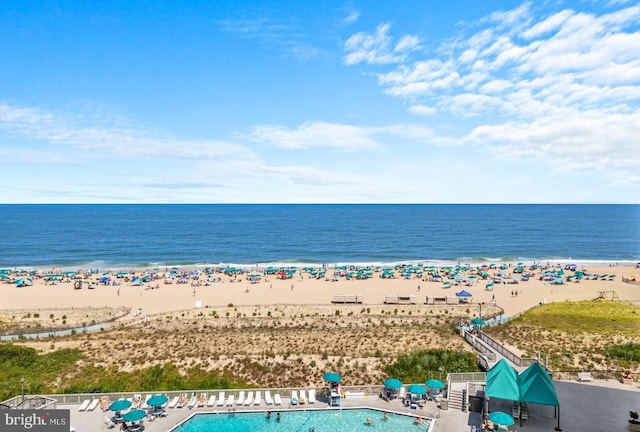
column 601, row 317
column 418, row 366
column 40, row 373
column 628, row 352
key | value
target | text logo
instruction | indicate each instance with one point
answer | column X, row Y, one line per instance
column 35, row 420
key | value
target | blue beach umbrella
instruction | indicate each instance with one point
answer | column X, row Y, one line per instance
column 501, row 418
column 434, row 383
column 120, row 405
column 392, row 383
column 134, row 415
column 332, row 377
column 157, row 400
column 417, row 389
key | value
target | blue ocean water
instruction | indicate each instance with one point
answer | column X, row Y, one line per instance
column 121, row 236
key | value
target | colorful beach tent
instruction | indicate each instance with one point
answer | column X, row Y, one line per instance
column 502, row 382
column 464, row 293
column 536, row 386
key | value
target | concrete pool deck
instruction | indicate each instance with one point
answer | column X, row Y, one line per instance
column 594, row 406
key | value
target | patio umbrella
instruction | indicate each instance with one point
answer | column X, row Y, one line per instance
column 332, row 377
column 134, row 415
column 392, row 383
column 417, row 389
column 478, row 321
column 434, row 383
column 157, row 400
column 120, row 405
column 501, row 418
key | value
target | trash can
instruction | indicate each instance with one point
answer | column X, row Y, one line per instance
column 444, row 404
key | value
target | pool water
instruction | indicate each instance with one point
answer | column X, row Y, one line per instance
column 345, row 420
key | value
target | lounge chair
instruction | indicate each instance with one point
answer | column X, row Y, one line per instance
column 240, row 400
column 249, row 399
column 182, row 401
column 294, row 397
column 202, row 401
column 193, row 401
column 109, row 423
column 515, row 410
column 258, row 399
column 212, row 401
column 303, row 397
column 267, row 397
column 173, row 402
column 84, row 405
column 277, row 400
column 104, row 403
column 230, row 400
column 93, row 404
column 312, row 395
column 524, row 414
column 146, row 399
column 220, row 399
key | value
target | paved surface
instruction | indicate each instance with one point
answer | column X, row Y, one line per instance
column 584, row 407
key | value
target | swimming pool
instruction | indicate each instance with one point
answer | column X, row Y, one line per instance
column 328, row 420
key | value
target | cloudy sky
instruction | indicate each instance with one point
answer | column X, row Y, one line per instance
column 320, row 102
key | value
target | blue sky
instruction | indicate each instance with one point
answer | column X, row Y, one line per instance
column 320, row 102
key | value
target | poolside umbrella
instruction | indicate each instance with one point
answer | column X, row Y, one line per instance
column 332, row 377
column 392, row 383
column 136, row 415
column 434, row 383
column 417, row 389
column 501, row 418
column 157, row 400
column 120, row 405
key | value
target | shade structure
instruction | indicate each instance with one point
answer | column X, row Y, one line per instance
column 434, row 383
column 157, row 400
column 501, row 418
column 392, row 383
column 478, row 321
column 332, row 377
column 134, row 415
column 502, row 382
column 464, row 293
column 120, row 405
column 417, row 389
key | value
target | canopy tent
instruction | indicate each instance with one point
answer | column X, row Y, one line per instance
column 464, row 293
column 502, row 382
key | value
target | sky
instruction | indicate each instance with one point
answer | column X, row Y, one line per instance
column 111, row 101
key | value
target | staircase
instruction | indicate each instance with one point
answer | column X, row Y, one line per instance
column 455, row 399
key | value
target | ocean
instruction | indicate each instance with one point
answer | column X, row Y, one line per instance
column 125, row 236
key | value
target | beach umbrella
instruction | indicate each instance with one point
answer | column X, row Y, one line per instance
column 434, row 383
column 478, row 321
column 134, row 415
column 120, row 405
column 332, row 377
column 157, row 400
column 501, row 418
column 392, row 383
column 417, row 389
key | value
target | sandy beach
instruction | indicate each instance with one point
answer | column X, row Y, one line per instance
column 158, row 297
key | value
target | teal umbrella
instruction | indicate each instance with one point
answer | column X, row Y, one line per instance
column 332, row 377
column 134, row 415
column 417, row 389
column 120, row 405
column 434, row 384
column 157, row 400
column 501, row 418
column 478, row 321
column 392, row 383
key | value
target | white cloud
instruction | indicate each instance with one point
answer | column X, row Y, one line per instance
column 315, row 134
column 351, row 16
column 422, row 110
column 378, row 48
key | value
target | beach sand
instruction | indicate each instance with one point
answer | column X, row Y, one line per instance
column 306, row 291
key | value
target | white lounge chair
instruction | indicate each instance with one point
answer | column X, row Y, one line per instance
column 83, row 406
column 173, row 402
column 93, row 404
column 312, row 395
column 267, row 397
column 249, row 399
column 240, row 399
column 109, row 423
column 182, row 401
column 230, row 400
column 294, row 397
column 202, row 400
column 303, row 396
column 258, row 399
column 220, row 399
column 212, row 401
column 146, row 399
column 193, row 401
column 277, row 400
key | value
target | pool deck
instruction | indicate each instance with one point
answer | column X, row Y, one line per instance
column 594, row 406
